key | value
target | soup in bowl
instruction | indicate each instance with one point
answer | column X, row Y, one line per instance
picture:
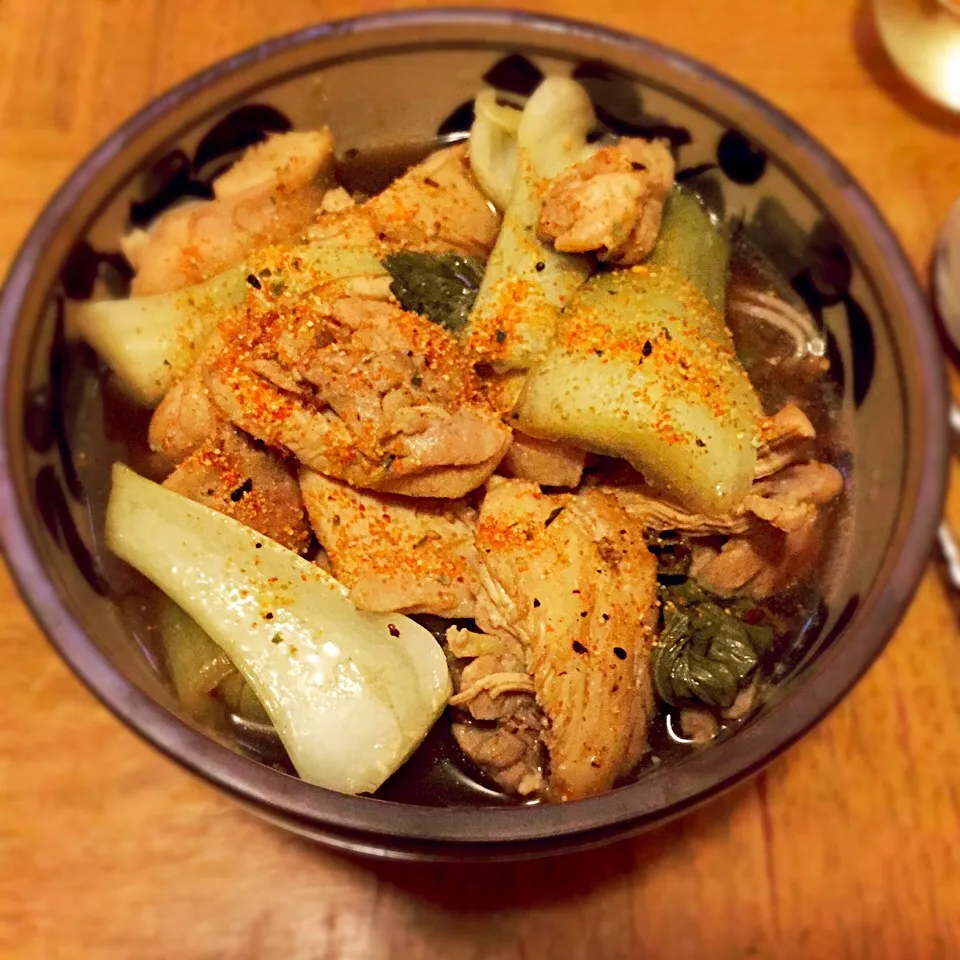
column 500, row 459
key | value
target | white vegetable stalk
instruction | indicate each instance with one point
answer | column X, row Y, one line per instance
column 526, row 278
column 493, row 147
column 351, row 694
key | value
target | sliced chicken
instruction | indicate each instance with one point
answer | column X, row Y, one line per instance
column 185, row 418
column 495, row 690
column 413, row 556
column 570, row 578
column 770, row 557
column 610, row 204
column 760, row 563
column 791, row 497
column 270, row 194
column 358, row 389
column 546, row 462
column 785, row 439
column 655, row 512
column 236, row 476
column 435, row 207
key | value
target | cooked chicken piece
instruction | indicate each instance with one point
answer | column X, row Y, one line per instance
column 570, row 578
column 546, row 462
column 185, row 418
column 785, row 439
column 234, row 475
column 698, row 724
column 791, row 497
column 358, row 389
column 434, row 207
column 336, row 201
column 611, row 203
column 272, row 193
column 413, row 556
column 761, row 562
column 655, row 512
column 495, row 689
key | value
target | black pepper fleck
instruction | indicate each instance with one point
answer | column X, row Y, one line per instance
column 246, row 487
column 578, row 647
column 620, row 653
column 394, row 632
column 536, row 602
column 647, row 348
column 541, row 266
column 553, row 516
column 254, row 281
column 501, row 336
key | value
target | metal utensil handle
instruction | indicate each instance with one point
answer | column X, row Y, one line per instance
column 947, row 540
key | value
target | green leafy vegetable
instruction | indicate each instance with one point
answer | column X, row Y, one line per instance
column 440, row 286
column 707, row 648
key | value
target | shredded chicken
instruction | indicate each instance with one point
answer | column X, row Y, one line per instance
column 393, row 553
column 434, row 207
column 495, row 689
column 547, row 462
column 271, row 194
column 234, row 475
column 357, row 389
column 611, row 203
column 570, row 578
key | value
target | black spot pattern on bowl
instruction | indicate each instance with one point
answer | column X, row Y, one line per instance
column 52, row 505
column 459, row 121
column 843, row 620
column 514, row 74
column 831, row 271
column 85, row 264
column 692, row 173
column 862, row 347
column 781, row 660
column 739, row 159
column 175, row 177
column 820, row 271
column 238, row 130
column 645, row 129
column 835, row 359
column 619, row 106
column 709, row 189
column 167, row 182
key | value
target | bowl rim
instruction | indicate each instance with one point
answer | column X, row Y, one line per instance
column 376, row 825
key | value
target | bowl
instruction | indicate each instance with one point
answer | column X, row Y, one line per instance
column 410, row 78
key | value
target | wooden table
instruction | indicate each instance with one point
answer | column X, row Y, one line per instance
column 847, row 847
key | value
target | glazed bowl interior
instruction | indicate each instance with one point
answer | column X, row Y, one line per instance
column 407, row 79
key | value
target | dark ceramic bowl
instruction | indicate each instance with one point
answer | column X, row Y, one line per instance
column 393, row 80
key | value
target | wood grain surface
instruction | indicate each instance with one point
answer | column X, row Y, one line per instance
column 847, row 847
